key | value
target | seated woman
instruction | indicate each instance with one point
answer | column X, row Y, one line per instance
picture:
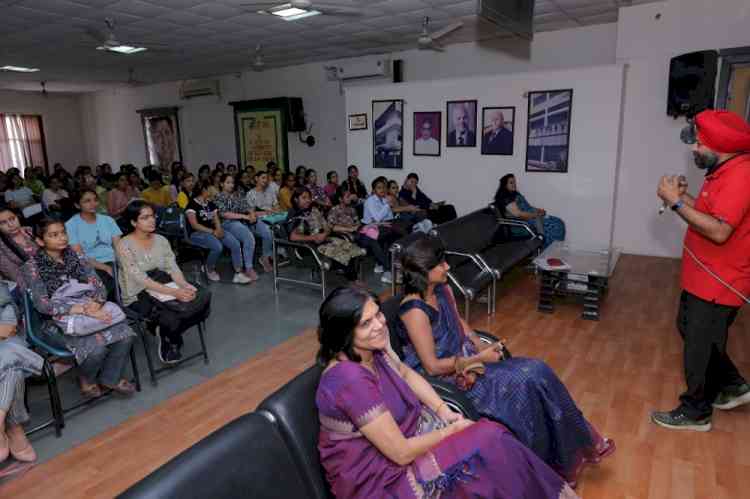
column 140, row 255
column 384, row 432
column 120, row 195
column 206, row 231
column 524, row 394
column 157, row 193
column 18, row 196
column 94, row 236
column 101, row 356
column 286, row 191
column 187, row 183
column 55, row 199
column 512, row 204
column 400, row 207
column 306, row 224
column 377, row 211
column 332, row 186
column 16, row 245
column 318, row 194
column 16, row 363
column 239, row 219
column 438, row 213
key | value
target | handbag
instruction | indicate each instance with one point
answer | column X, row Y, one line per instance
column 78, row 293
column 184, row 309
column 467, row 372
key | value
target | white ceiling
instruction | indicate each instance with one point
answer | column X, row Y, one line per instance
column 217, row 37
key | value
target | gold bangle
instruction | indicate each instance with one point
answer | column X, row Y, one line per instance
column 439, row 407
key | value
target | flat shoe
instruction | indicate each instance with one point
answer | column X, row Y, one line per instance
column 91, row 391
column 25, row 455
column 123, row 388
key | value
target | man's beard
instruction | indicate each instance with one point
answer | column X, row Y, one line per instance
column 705, row 160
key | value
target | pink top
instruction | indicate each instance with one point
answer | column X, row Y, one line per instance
column 118, row 200
column 330, row 189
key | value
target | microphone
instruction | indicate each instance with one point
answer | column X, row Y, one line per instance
column 682, row 182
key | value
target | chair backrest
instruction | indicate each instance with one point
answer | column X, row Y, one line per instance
column 246, row 458
column 292, row 408
column 471, row 233
column 33, row 323
column 390, row 309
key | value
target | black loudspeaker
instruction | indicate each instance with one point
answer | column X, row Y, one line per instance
column 692, row 83
column 296, row 114
column 398, row 71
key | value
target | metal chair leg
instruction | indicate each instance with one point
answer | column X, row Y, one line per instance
column 467, row 305
column 203, row 341
column 136, row 374
column 54, row 395
column 147, row 351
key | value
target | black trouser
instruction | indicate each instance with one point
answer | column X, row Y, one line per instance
column 169, row 324
column 375, row 248
column 704, row 327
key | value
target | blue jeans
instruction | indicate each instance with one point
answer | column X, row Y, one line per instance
column 242, row 234
column 263, row 231
column 215, row 246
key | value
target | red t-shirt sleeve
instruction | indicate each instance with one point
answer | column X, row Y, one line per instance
column 731, row 203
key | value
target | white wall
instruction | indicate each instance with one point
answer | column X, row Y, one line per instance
column 61, row 118
column 113, row 130
column 583, row 197
column 651, row 145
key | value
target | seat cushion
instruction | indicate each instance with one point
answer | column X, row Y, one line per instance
column 504, row 256
column 471, row 278
column 293, row 410
column 246, row 458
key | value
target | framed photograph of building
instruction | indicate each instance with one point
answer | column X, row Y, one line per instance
column 548, row 131
column 387, row 134
column 161, row 132
column 498, row 125
column 461, row 123
column 427, row 133
column 358, row 122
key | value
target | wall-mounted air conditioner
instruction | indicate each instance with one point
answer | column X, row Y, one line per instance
column 355, row 70
column 199, row 88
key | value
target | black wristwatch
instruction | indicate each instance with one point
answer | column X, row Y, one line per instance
column 679, row 204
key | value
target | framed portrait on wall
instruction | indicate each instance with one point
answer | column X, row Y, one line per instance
column 427, row 133
column 498, row 124
column 161, row 133
column 387, row 134
column 357, row 122
column 548, row 131
column 461, row 123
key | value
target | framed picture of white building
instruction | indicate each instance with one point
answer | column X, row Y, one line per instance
column 548, row 131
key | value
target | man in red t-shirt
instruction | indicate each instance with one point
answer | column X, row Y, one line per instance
column 715, row 267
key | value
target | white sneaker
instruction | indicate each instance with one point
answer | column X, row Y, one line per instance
column 240, row 278
column 379, row 269
column 213, row 276
column 386, row 278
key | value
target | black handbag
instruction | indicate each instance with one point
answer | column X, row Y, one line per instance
column 199, row 304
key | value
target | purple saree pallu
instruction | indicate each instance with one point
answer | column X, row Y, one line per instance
column 482, row 461
column 523, row 394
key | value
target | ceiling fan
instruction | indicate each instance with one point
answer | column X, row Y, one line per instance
column 290, row 8
column 428, row 41
column 258, row 63
column 108, row 40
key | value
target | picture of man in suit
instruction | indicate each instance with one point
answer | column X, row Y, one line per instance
column 497, row 139
column 463, row 133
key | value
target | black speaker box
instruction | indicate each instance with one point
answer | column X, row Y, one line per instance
column 398, row 71
column 692, row 83
column 296, row 114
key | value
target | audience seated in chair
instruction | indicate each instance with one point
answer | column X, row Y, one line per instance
column 263, row 200
column 187, row 184
column 354, row 185
column 121, row 194
column 344, row 221
column 305, row 223
column 287, row 189
column 402, row 209
column 101, row 356
column 16, row 363
column 56, row 200
column 157, row 193
column 319, row 197
column 239, row 219
column 524, row 394
column 438, row 213
column 384, row 430
column 17, row 195
column 204, row 227
column 17, row 244
column 512, row 204
column 94, row 236
column 378, row 212
column 331, row 188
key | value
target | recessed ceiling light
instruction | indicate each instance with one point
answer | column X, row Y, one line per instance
column 122, row 49
column 19, row 69
column 304, row 14
column 288, row 11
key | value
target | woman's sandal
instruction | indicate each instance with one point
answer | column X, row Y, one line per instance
column 90, row 391
column 124, row 387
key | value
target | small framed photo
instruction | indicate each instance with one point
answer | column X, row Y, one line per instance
column 387, row 133
column 462, row 123
column 498, row 124
column 358, row 121
column 427, row 133
column 548, row 139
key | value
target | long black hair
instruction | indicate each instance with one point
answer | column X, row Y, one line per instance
column 339, row 316
column 419, row 258
column 133, row 211
column 9, row 242
column 504, row 196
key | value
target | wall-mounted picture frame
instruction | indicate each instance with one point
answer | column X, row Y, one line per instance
column 388, row 134
column 357, row 122
column 461, row 123
column 548, row 130
column 427, row 133
column 498, row 127
column 161, row 134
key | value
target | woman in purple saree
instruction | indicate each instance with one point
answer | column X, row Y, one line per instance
column 385, row 433
column 524, row 394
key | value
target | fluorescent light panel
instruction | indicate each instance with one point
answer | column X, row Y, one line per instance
column 19, row 69
column 123, row 49
column 288, row 11
column 307, row 13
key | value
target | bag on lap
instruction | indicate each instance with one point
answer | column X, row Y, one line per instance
column 79, row 293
